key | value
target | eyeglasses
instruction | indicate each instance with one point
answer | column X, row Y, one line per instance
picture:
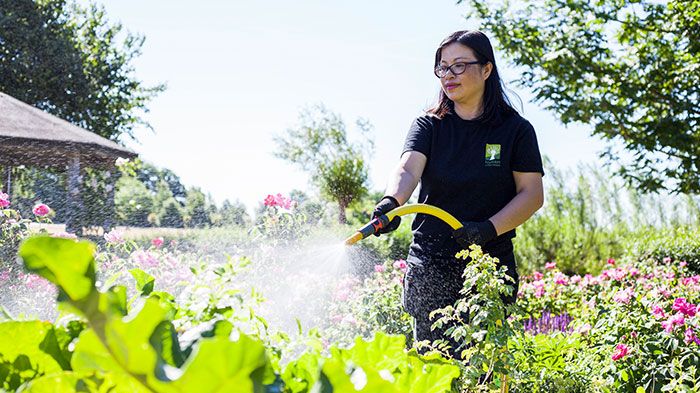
column 456, row 68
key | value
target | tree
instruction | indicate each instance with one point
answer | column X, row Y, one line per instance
column 320, row 146
column 171, row 214
column 631, row 69
column 196, row 215
column 72, row 62
column 233, row 214
column 133, row 202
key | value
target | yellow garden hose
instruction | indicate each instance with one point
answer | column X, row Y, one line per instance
column 382, row 221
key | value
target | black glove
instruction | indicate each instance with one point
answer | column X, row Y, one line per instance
column 384, row 206
column 472, row 232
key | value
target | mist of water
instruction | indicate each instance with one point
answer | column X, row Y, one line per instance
column 297, row 279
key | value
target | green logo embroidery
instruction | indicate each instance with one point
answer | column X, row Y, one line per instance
column 493, row 155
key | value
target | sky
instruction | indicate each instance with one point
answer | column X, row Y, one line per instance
column 239, row 72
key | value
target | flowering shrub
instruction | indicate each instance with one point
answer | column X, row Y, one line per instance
column 14, row 228
column 280, row 223
column 363, row 308
column 638, row 321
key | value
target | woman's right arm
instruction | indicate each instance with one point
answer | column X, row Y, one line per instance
column 406, row 176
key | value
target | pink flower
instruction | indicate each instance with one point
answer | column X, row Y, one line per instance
column 658, row 311
column 621, row 351
column 4, row 200
column 623, row 296
column 37, row 282
column 667, row 259
column 670, row 323
column 145, row 258
column 690, row 337
column 683, row 264
column 400, row 265
column 157, row 242
column 342, row 294
column 537, row 275
column 680, row 304
column 611, row 261
column 349, row 320
column 584, row 329
column 278, row 200
column 41, row 210
column 539, row 288
column 634, row 335
column 561, row 278
column 550, row 265
column 114, row 236
column 379, row 268
column 618, row 274
column 336, row 318
column 269, row 200
column 575, row 279
column 4, row 276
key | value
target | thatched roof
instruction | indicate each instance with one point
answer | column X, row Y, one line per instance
column 32, row 137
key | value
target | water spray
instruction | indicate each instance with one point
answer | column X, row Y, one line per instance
column 382, row 221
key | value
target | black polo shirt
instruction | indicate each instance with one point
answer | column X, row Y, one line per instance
column 469, row 173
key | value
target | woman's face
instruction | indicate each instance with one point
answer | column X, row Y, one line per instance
column 467, row 87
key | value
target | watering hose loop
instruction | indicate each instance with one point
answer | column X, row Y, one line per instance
column 382, row 221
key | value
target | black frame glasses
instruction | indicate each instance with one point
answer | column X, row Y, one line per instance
column 441, row 71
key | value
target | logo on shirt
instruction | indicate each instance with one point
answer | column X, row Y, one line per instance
column 493, row 155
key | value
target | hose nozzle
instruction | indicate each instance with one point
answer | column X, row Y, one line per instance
column 371, row 228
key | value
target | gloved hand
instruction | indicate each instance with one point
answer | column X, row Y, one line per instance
column 384, row 206
column 472, row 232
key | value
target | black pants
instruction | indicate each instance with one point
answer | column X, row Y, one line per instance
column 434, row 284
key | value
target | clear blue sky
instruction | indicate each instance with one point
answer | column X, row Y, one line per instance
column 239, row 72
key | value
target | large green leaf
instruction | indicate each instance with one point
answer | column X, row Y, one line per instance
column 144, row 281
column 221, row 365
column 92, row 356
column 302, row 374
column 384, row 352
column 428, row 377
column 383, row 365
column 68, row 381
column 27, row 350
column 64, row 262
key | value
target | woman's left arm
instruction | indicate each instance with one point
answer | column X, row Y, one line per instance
column 528, row 199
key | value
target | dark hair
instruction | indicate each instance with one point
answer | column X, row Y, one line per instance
column 496, row 102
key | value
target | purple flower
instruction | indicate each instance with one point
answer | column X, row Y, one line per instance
column 548, row 323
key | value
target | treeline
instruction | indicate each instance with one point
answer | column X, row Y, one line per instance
column 144, row 196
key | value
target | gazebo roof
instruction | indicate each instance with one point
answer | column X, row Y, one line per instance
column 32, row 137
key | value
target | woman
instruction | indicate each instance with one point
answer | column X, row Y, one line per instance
column 476, row 158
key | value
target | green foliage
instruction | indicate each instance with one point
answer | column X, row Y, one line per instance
column 477, row 321
column 547, row 363
column 233, row 214
column 13, row 229
column 134, row 351
column 679, row 244
column 171, row 215
column 27, row 350
column 72, row 62
column 133, row 202
column 589, row 217
column 320, row 146
column 363, row 308
column 378, row 365
column 195, row 215
column 628, row 68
